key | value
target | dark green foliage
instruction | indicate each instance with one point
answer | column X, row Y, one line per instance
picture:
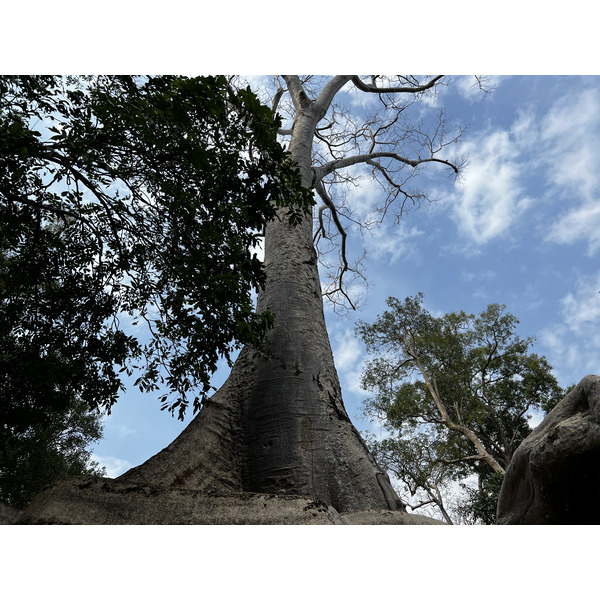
column 128, row 210
column 480, row 504
column 36, row 456
column 442, row 382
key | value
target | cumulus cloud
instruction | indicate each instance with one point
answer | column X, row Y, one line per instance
column 570, row 134
column 349, row 360
column 468, row 86
column 577, row 224
column 397, row 242
column 491, row 198
column 561, row 146
column 363, row 198
column 359, row 99
column 346, row 351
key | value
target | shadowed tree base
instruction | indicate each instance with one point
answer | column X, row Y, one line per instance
column 222, row 451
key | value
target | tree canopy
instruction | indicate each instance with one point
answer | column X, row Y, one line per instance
column 129, row 209
column 455, row 394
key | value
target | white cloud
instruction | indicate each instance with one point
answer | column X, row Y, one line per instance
column 362, row 199
column 580, row 223
column 396, row 242
column 469, row 89
column 525, row 129
column 114, row 466
column 347, row 350
column 535, row 417
column 349, row 359
column 571, row 345
column 359, row 99
column 490, row 199
column 570, row 133
column 581, row 308
column 563, row 143
column 570, row 119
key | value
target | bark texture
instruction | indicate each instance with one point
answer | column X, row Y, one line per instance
column 554, row 475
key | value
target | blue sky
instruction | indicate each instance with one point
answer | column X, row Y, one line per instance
column 532, row 185
column 522, row 228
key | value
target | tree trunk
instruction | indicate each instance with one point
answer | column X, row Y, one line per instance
column 278, row 424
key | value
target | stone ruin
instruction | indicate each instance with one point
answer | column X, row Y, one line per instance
column 554, row 476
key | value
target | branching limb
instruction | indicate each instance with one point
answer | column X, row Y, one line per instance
column 485, row 455
column 297, row 93
column 275, row 105
column 321, row 229
column 328, row 203
column 330, row 89
column 370, row 159
column 374, row 88
column 277, row 96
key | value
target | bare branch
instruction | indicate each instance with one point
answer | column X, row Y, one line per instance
column 329, row 91
column 369, row 158
column 320, row 188
column 277, row 96
column 373, row 88
column 389, row 144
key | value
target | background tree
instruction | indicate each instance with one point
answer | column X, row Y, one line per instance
column 128, row 211
column 35, row 456
column 455, row 393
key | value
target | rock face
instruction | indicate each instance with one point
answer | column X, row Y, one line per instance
column 8, row 515
column 386, row 517
column 554, row 476
column 103, row 501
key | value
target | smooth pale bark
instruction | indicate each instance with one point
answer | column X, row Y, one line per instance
column 278, row 425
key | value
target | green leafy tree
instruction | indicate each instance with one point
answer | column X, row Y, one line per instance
column 36, row 456
column 455, row 393
column 129, row 208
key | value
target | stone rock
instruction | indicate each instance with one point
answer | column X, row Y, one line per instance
column 387, row 517
column 103, row 501
column 8, row 515
column 554, row 476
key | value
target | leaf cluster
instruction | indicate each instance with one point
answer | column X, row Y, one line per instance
column 129, row 209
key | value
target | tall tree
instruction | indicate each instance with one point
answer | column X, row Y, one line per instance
column 454, row 392
column 279, row 424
